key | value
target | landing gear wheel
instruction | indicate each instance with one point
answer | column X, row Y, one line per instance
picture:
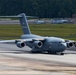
column 52, row 52
column 60, row 53
column 32, row 51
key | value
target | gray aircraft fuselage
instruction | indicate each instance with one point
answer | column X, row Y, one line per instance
column 50, row 44
column 39, row 43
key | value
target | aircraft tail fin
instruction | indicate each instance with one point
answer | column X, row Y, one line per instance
column 23, row 21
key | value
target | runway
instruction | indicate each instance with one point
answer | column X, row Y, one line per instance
column 25, row 53
column 14, row 60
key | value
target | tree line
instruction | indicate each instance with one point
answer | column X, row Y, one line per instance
column 40, row 8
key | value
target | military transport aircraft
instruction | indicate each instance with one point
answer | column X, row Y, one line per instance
column 38, row 43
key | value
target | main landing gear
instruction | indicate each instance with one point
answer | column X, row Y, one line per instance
column 56, row 53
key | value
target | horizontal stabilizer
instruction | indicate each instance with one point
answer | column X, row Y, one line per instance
column 18, row 16
column 23, row 21
column 10, row 16
column 15, row 16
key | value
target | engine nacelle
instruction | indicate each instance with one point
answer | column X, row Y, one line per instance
column 38, row 44
column 69, row 44
column 75, row 44
column 20, row 44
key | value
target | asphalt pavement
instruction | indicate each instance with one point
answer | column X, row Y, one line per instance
column 16, row 61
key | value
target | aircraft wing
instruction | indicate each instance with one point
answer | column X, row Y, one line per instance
column 22, row 40
column 7, row 41
column 70, row 42
column 30, row 39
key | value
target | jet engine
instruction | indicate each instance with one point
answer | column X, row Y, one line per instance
column 75, row 44
column 69, row 44
column 20, row 44
column 38, row 44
